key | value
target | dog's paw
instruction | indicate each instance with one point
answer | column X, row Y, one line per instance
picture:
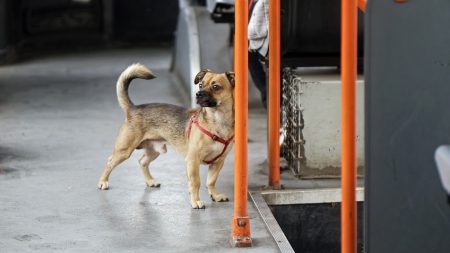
column 152, row 183
column 198, row 204
column 220, row 198
column 103, row 185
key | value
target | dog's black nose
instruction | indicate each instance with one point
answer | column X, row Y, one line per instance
column 200, row 94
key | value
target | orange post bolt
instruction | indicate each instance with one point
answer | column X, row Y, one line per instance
column 240, row 225
column 274, row 94
column 348, row 98
column 362, row 5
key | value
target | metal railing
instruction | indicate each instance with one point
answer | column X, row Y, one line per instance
column 241, row 222
column 240, row 225
column 349, row 20
column 274, row 94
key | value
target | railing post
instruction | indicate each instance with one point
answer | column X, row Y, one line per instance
column 240, row 225
column 274, row 94
column 348, row 104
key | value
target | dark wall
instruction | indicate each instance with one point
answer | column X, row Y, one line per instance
column 3, row 38
column 4, row 32
column 407, row 118
column 145, row 19
column 35, row 27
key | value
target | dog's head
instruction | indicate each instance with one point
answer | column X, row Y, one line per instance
column 215, row 89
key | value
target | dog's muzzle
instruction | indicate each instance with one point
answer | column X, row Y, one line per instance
column 204, row 99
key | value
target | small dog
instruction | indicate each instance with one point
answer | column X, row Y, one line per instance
column 202, row 135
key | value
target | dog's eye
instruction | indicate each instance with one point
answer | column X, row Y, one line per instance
column 200, row 85
column 215, row 87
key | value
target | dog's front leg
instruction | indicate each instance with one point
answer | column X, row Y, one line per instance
column 193, row 173
column 213, row 174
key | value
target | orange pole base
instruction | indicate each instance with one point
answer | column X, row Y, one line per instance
column 362, row 5
column 240, row 232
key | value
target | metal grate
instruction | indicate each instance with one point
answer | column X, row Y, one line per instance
column 293, row 146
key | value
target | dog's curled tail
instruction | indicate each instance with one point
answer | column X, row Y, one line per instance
column 136, row 70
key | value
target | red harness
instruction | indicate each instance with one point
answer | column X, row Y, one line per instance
column 194, row 120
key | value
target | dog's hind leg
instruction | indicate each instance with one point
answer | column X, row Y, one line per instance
column 149, row 155
column 115, row 159
column 152, row 150
column 126, row 143
column 213, row 174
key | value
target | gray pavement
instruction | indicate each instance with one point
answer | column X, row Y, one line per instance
column 58, row 120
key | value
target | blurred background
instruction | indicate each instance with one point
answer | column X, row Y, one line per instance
column 30, row 28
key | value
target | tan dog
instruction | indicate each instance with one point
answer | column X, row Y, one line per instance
column 200, row 134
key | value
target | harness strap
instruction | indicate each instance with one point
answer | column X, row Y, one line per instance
column 194, row 120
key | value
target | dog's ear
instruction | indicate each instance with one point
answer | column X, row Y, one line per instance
column 200, row 75
column 230, row 76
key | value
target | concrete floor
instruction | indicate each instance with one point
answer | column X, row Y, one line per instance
column 58, row 120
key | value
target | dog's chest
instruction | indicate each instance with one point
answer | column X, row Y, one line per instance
column 215, row 149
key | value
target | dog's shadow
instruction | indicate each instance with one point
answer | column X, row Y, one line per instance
column 9, row 157
column 138, row 218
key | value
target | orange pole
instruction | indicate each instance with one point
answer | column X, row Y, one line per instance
column 348, row 98
column 362, row 5
column 240, row 225
column 274, row 94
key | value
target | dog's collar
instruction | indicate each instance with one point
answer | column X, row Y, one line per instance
column 194, row 120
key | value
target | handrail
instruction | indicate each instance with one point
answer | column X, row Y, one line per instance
column 274, row 94
column 274, row 91
column 240, row 225
column 349, row 21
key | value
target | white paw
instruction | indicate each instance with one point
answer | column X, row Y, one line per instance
column 152, row 183
column 103, row 185
column 198, row 204
column 220, row 198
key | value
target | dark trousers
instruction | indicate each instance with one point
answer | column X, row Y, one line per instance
column 258, row 74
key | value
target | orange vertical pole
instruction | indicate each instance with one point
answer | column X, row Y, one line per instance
column 348, row 124
column 274, row 94
column 240, row 226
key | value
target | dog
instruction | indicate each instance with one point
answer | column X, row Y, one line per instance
column 202, row 135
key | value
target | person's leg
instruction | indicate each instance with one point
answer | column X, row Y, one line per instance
column 258, row 75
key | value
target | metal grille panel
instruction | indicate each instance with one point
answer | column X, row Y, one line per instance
column 293, row 147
